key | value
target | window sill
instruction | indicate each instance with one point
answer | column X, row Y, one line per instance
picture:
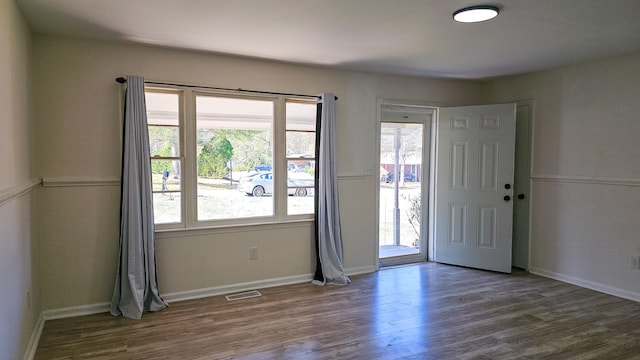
column 225, row 229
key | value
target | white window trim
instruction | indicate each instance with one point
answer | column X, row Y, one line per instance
column 188, row 177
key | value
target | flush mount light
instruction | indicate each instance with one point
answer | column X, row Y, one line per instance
column 476, row 13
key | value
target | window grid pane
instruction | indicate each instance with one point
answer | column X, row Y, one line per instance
column 164, row 141
column 162, row 108
column 166, row 208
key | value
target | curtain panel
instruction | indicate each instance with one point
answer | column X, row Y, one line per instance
column 328, row 236
column 136, row 287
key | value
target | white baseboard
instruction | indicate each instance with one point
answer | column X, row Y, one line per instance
column 228, row 289
column 625, row 294
column 253, row 285
column 198, row 293
column 180, row 296
column 360, row 270
column 76, row 311
column 32, row 346
column 173, row 297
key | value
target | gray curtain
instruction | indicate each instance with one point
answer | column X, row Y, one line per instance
column 136, row 289
column 329, row 269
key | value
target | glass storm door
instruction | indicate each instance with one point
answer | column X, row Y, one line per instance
column 404, row 138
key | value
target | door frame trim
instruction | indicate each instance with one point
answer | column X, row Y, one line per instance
column 532, row 110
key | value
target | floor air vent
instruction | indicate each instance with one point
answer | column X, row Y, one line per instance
column 244, row 295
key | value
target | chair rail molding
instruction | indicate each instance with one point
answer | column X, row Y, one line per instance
column 79, row 181
column 17, row 191
column 593, row 180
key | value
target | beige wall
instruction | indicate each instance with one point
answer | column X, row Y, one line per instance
column 19, row 285
column 586, row 136
column 78, row 133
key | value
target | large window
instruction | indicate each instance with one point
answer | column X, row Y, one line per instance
column 240, row 159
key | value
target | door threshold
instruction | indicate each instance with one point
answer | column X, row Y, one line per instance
column 388, row 267
column 402, row 260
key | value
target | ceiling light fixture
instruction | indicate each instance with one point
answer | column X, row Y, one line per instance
column 476, row 13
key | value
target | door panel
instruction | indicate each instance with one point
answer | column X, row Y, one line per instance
column 457, row 223
column 489, row 165
column 474, row 186
column 458, row 168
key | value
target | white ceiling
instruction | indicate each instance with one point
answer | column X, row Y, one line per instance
column 412, row 37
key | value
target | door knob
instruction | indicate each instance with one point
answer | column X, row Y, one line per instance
column 521, row 196
column 507, row 186
column 507, row 198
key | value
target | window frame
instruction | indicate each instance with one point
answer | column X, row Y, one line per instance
column 188, row 143
column 182, row 150
column 298, row 158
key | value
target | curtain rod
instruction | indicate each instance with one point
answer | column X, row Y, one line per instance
column 122, row 80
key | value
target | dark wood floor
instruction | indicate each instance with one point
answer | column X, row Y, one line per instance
column 426, row 311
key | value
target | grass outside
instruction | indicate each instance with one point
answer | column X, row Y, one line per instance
column 219, row 199
column 408, row 235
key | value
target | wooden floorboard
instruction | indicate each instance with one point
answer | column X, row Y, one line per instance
column 423, row 311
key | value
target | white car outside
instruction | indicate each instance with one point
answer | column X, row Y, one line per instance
column 261, row 183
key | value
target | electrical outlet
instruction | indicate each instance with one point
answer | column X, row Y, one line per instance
column 635, row 262
column 253, row 253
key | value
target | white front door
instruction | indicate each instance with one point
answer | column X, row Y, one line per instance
column 474, row 186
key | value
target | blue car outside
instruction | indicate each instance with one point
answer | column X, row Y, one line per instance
column 407, row 177
column 262, row 167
